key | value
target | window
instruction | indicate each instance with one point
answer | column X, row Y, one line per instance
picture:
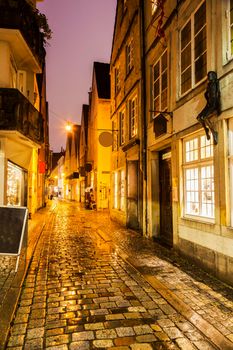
column 129, row 57
column 133, row 116
column 114, row 136
column 117, row 80
column 199, row 177
column 159, row 78
column 230, row 159
column 193, row 50
column 229, row 15
column 154, row 5
column 122, row 127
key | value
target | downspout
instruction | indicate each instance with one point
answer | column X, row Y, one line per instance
column 144, row 119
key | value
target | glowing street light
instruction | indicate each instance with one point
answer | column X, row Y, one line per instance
column 68, row 127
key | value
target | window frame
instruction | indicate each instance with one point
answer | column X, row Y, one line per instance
column 198, row 165
column 229, row 32
column 159, row 79
column 117, row 79
column 114, row 136
column 193, row 59
column 133, row 128
column 129, row 56
column 122, row 126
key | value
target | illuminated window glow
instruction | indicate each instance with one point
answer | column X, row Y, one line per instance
column 199, row 177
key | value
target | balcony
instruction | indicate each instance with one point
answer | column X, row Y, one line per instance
column 19, row 15
column 18, row 114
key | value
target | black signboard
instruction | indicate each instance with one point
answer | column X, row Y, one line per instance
column 13, row 230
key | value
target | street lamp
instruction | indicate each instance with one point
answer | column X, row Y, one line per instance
column 68, row 127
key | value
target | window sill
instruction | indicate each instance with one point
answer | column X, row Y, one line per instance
column 199, row 220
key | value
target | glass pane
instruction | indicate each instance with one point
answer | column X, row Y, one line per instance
column 200, row 43
column 156, row 104
column 164, row 61
column 200, row 18
column 192, row 195
column 186, row 80
column 186, row 35
column 200, row 68
column 191, row 150
column 164, row 100
column 207, row 191
column 164, row 80
column 186, row 58
column 156, row 71
column 156, row 88
column 206, row 147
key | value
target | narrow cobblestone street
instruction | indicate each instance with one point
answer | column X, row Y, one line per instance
column 95, row 285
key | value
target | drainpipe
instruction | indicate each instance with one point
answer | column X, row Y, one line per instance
column 143, row 109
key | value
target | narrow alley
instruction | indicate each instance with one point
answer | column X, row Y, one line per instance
column 93, row 284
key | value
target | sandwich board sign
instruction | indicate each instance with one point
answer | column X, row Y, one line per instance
column 13, row 231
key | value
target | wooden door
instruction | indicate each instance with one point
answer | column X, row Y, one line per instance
column 165, row 183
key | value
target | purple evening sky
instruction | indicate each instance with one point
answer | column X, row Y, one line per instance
column 82, row 34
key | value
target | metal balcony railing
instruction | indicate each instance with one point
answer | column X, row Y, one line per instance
column 17, row 113
column 18, row 14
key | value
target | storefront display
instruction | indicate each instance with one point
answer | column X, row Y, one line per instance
column 15, row 184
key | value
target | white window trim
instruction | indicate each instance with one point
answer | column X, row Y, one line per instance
column 189, row 165
column 193, row 85
column 227, row 54
column 160, row 82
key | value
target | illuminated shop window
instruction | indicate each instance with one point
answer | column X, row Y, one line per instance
column 198, row 171
column 193, row 45
column 14, row 185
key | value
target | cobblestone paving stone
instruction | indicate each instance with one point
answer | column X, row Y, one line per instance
column 79, row 294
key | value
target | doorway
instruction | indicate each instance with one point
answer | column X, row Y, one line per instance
column 132, row 194
column 165, row 197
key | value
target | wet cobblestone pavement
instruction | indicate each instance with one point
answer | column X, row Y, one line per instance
column 82, row 292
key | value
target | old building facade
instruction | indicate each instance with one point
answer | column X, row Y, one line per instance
column 171, row 110
column 189, row 186
column 99, row 127
column 126, row 116
column 23, row 107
